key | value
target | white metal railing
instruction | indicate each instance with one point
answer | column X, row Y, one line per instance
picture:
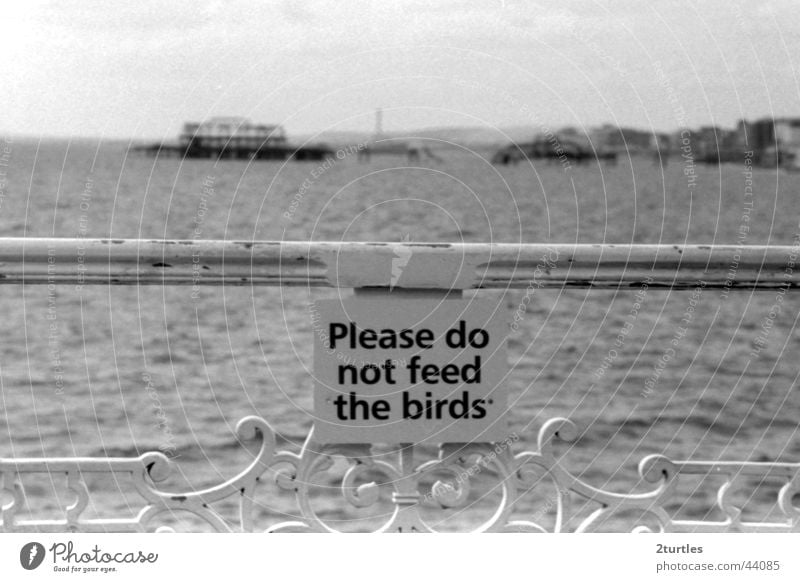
column 416, row 486
column 358, row 265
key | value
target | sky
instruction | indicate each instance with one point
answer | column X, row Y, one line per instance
column 140, row 69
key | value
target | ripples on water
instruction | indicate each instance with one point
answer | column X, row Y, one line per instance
column 242, row 351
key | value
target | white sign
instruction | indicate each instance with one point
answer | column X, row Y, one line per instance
column 409, row 370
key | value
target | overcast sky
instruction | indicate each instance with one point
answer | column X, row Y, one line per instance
column 139, row 69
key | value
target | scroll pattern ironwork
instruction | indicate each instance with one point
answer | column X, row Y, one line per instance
column 444, row 482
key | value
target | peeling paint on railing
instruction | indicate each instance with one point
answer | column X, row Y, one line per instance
column 430, row 265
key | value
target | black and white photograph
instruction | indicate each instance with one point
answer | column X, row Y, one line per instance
column 399, row 267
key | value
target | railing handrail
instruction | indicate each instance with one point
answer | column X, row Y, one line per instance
column 393, row 265
column 445, row 478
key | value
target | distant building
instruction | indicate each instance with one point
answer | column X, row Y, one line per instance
column 787, row 142
column 661, row 142
column 757, row 135
column 563, row 146
column 624, row 139
column 775, row 141
column 230, row 132
column 236, row 138
column 706, row 143
column 710, row 144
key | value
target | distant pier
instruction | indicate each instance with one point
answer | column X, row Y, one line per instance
column 235, row 138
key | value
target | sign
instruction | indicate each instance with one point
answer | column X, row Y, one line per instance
column 409, row 370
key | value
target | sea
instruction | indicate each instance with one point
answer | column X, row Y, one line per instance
column 698, row 374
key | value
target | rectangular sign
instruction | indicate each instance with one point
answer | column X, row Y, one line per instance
column 409, row 370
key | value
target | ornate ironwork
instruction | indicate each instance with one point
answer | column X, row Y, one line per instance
column 443, row 483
